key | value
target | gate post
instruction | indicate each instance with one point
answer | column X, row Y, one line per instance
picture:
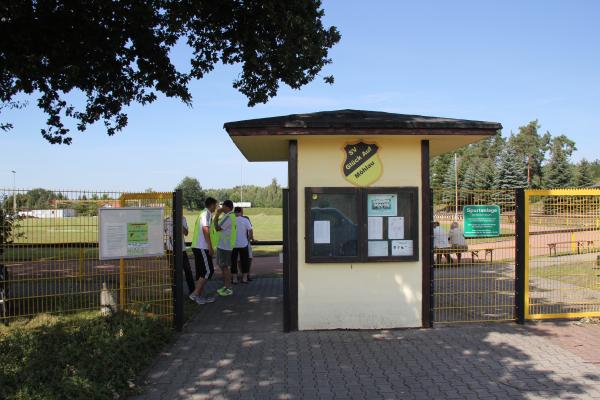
column 287, row 323
column 520, row 255
column 178, row 260
column 426, row 239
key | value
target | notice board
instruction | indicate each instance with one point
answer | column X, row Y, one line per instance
column 361, row 225
column 130, row 232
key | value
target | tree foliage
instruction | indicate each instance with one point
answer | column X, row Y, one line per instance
column 583, row 175
column 595, row 168
column 530, row 147
column 193, row 195
column 439, row 166
column 115, row 53
column 558, row 173
column 449, row 183
column 35, row 199
column 495, row 162
column 511, row 173
column 270, row 196
column 9, row 227
column 486, row 175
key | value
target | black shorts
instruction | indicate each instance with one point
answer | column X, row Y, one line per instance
column 204, row 263
column 244, row 256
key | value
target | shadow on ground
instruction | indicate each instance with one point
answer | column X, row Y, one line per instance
column 235, row 349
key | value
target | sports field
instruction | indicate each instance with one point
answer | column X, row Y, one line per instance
column 267, row 222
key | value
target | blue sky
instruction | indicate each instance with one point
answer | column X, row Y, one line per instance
column 504, row 61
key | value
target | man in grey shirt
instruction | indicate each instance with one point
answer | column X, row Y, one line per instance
column 225, row 225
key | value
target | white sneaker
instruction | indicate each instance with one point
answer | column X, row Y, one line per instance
column 200, row 300
column 208, row 299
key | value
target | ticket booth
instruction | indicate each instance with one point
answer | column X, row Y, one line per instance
column 357, row 240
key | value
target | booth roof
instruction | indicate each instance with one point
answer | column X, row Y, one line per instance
column 356, row 119
column 265, row 139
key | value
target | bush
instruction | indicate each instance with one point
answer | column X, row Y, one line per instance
column 82, row 356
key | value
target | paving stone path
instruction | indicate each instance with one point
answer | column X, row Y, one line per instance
column 234, row 349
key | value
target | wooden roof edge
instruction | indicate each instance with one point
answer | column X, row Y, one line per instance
column 275, row 131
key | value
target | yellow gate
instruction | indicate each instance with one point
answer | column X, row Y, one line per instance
column 562, row 253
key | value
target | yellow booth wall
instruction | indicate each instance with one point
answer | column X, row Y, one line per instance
column 371, row 295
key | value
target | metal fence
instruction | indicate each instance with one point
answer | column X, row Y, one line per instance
column 475, row 283
column 562, row 253
column 49, row 256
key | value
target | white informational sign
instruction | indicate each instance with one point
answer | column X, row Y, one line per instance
column 382, row 205
column 130, row 232
column 378, row 248
column 322, row 232
column 375, row 228
column 402, row 247
column 396, row 228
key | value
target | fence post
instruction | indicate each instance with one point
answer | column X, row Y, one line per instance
column 426, row 245
column 80, row 264
column 122, row 284
column 431, row 262
column 178, row 260
column 520, row 255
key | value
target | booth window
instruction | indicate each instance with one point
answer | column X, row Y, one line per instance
column 361, row 225
column 333, row 224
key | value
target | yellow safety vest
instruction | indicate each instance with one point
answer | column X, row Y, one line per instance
column 217, row 234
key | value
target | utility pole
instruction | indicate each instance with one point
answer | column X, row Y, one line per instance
column 14, row 191
column 455, row 187
column 241, row 181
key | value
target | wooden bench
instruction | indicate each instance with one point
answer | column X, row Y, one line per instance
column 580, row 245
column 474, row 252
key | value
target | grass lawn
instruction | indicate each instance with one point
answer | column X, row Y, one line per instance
column 267, row 222
column 78, row 356
column 58, row 230
column 584, row 274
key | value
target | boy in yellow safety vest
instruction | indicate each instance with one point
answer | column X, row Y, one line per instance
column 203, row 248
column 225, row 227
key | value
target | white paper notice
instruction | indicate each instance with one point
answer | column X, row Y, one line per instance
column 396, row 228
column 378, row 248
column 115, row 238
column 322, row 233
column 375, row 228
column 402, row 247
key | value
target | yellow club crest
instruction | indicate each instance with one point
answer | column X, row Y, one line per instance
column 362, row 165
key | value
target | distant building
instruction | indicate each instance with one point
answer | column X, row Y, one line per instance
column 58, row 213
column 243, row 204
column 597, row 185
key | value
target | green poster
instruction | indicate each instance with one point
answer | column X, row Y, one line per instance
column 137, row 233
column 481, row 221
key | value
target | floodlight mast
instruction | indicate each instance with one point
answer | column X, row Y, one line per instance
column 14, row 191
